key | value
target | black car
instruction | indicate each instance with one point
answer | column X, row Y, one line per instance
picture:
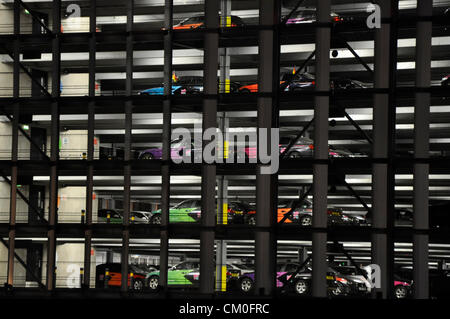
column 439, row 217
column 303, row 81
column 301, row 213
column 241, row 213
column 198, row 21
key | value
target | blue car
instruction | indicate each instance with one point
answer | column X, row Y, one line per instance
column 184, row 85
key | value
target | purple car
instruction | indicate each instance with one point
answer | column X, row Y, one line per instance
column 176, row 150
column 246, row 280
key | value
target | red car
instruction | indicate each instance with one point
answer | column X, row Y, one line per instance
column 115, row 276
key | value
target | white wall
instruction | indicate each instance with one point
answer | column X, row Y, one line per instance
column 72, row 199
column 21, row 206
column 73, row 143
column 7, row 20
column 69, row 260
column 7, row 80
column 6, row 143
column 19, row 270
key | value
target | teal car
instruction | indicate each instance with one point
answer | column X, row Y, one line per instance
column 180, row 213
column 175, row 275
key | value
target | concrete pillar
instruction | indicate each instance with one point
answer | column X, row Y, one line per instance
column 127, row 156
column 421, row 149
column 265, row 242
column 54, row 148
column 165, row 169
column 320, row 179
column 208, row 220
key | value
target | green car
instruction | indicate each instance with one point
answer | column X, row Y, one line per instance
column 185, row 212
column 175, row 275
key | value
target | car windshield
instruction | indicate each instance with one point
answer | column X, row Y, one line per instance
column 241, row 266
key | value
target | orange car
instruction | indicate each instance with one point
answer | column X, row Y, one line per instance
column 198, row 22
column 252, row 88
column 283, row 208
column 115, row 276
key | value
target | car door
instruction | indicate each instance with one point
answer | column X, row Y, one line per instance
column 179, row 213
column 283, row 208
column 115, row 274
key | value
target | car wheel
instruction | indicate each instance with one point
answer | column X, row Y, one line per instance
column 301, row 287
column 306, row 220
column 244, row 91
column 251, row 220
column 337, row 290
column 295, row 155
column 153, row 282
column 246, row 284
column 400, row 292
column 156, row 219
column 138, row 285
column 146, row 156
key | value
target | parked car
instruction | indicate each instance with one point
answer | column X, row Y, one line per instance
column 301, row 213
column 446, row 81
column 198, row 21
column 185, row 85
column 289, row 280
column 234, row 271
column 141, row 217
column 303, row 147
column 177, row 148
column 402, row 288
column 180, row 213
column 115, row 276
column 175, row 275
column 439, row 281
column 309, row 15
column 241, row 212
column 439, row 217
column 358, row 282
column 114, row 216
column 305, row 81
column 237, row 213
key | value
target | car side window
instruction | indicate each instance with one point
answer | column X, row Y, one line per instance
column 185, row 204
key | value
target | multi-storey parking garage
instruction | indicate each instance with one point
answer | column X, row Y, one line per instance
column 99, row 193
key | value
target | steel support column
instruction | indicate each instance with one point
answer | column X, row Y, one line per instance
column 90, row 144
column 265, row 242
column 421, row 148
column 222, row 219
column 127, row 155
column 14, row 146
column 225, row 21
column 208, row 220
column 221, row 265
column 320, row 179
column 54, row 148
column 380, row 149
column 165, row 169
